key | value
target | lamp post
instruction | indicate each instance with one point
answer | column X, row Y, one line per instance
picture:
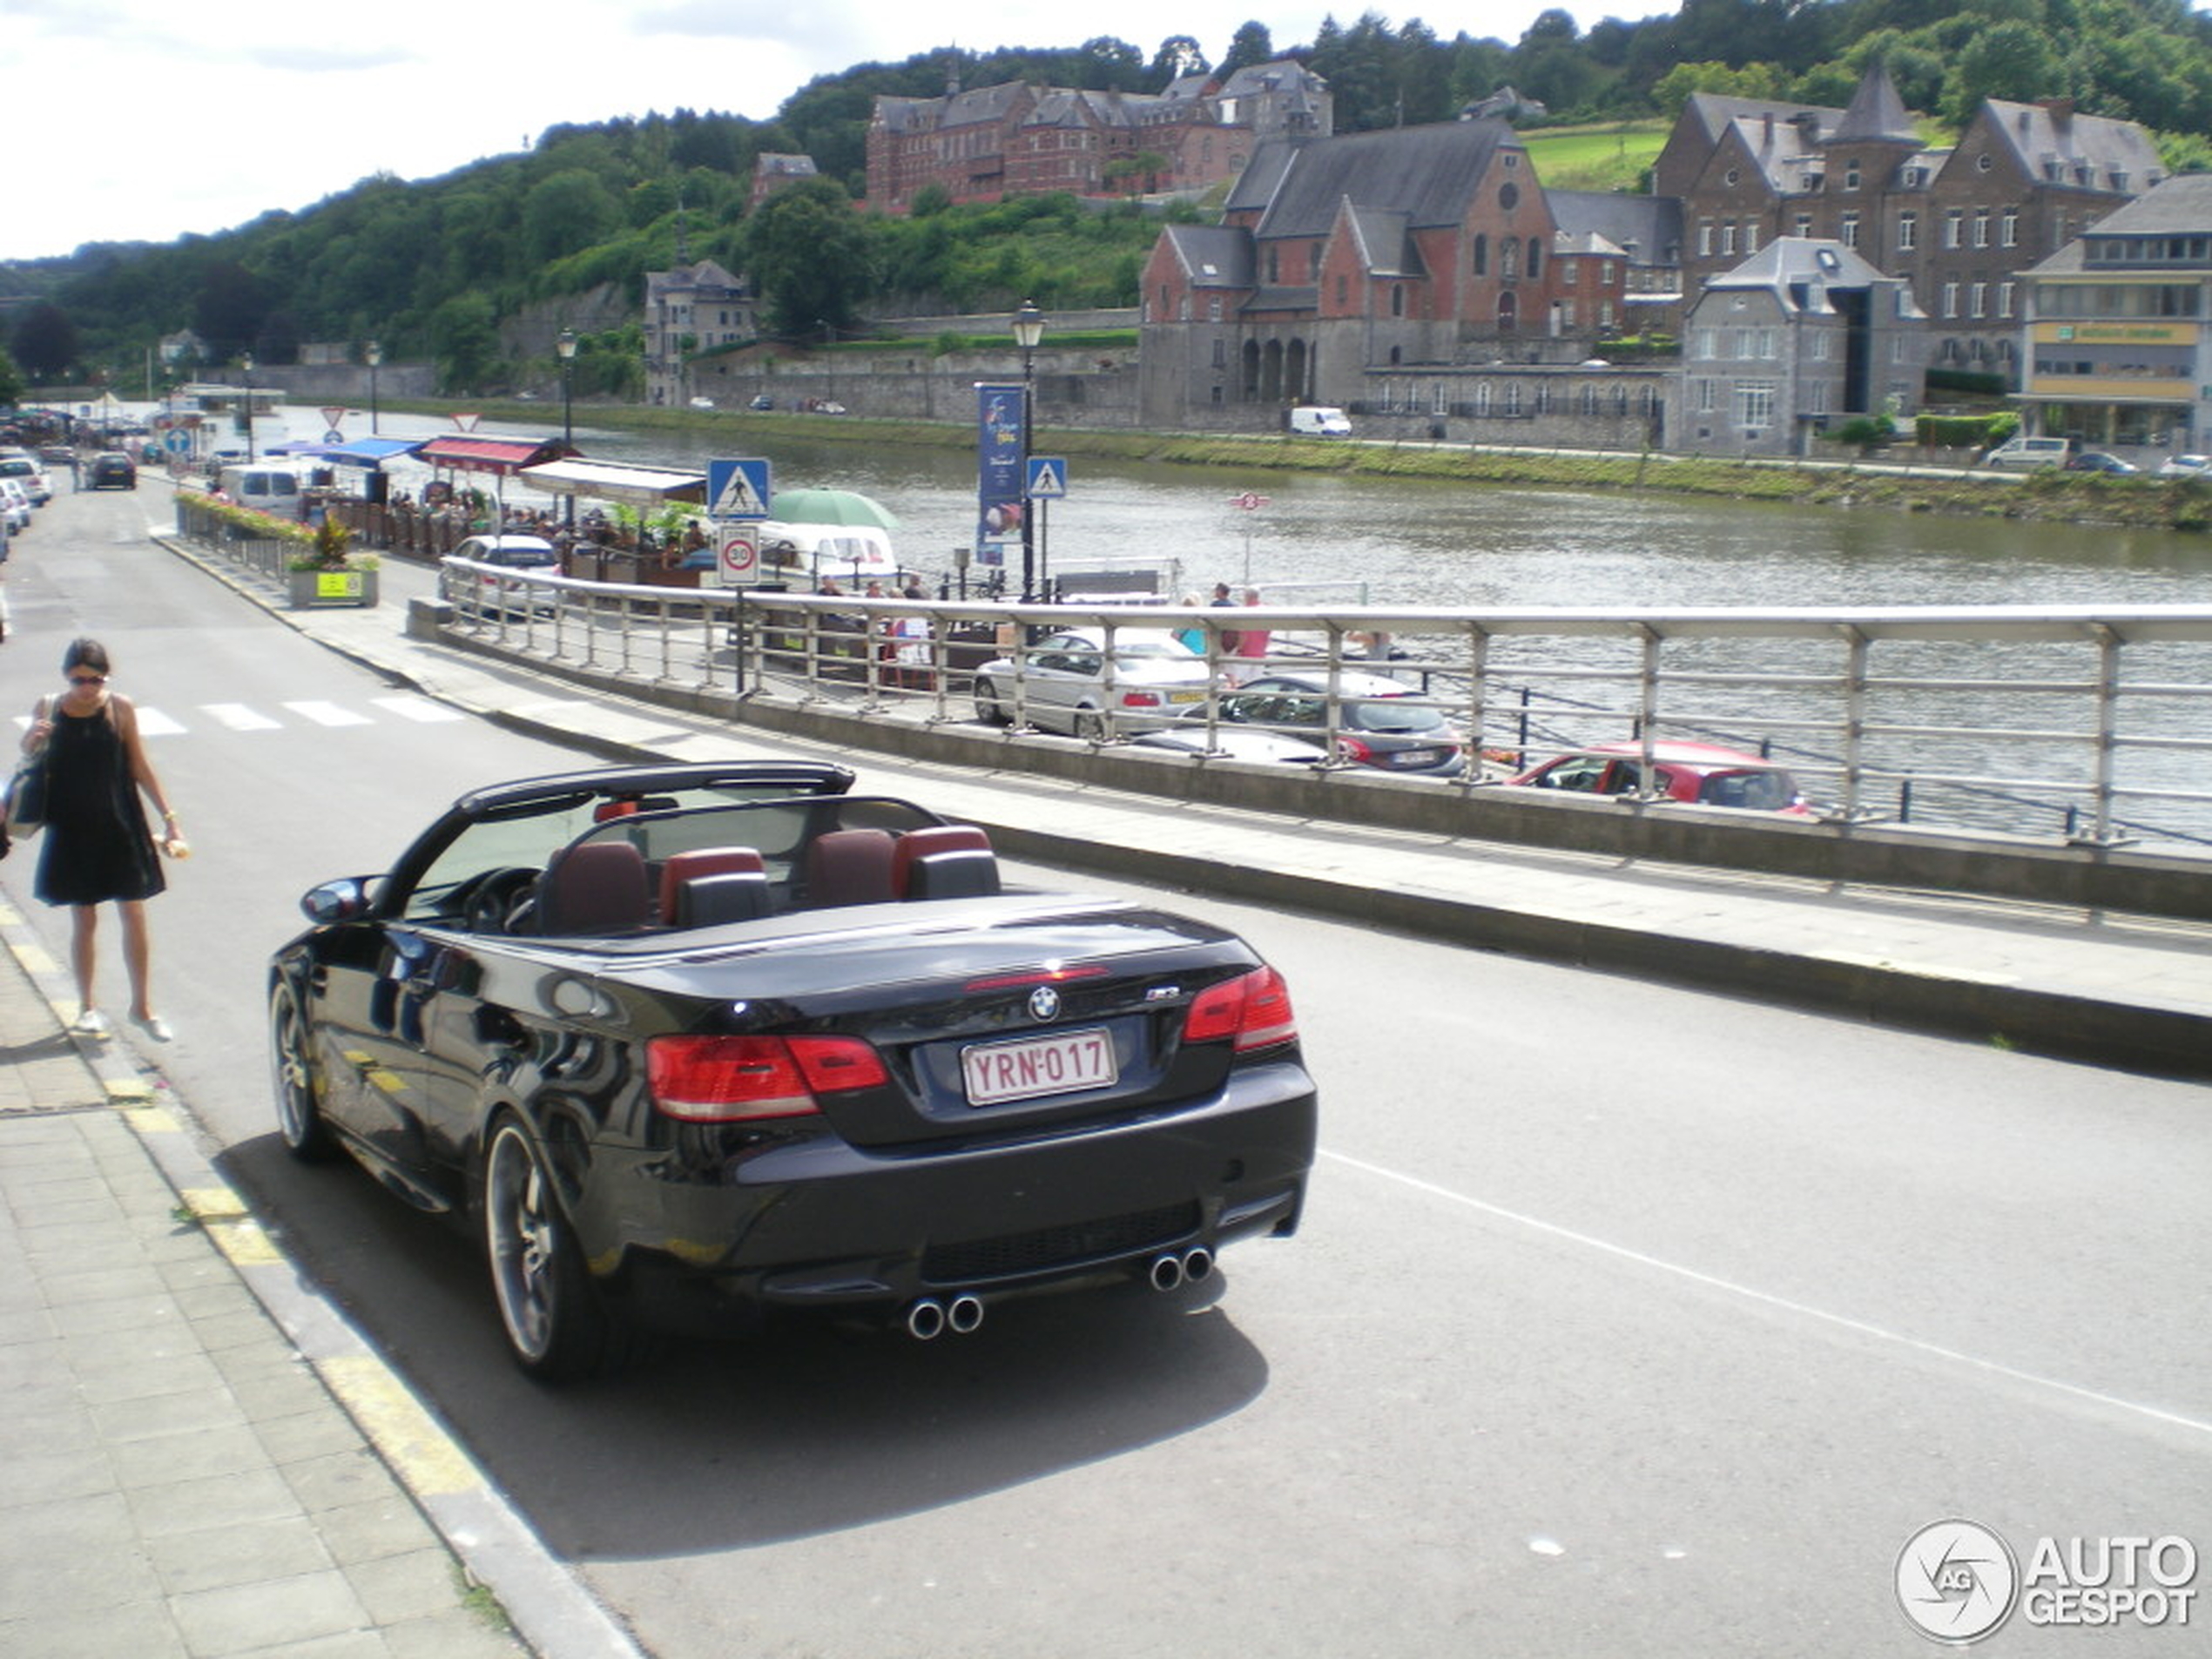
column 374, row 354
column 245, row 399
column 1029, row 329
column 566, row 345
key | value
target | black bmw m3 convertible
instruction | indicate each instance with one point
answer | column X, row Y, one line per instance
column 689, row 1044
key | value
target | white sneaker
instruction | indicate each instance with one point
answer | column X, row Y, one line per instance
column 91, row 1023
column 155, row 1027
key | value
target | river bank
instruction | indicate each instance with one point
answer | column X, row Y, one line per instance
column 1908, row 482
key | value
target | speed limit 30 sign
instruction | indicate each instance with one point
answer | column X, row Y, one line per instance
column 739, row 557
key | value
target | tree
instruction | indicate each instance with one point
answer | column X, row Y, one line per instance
column 2011, row 61
column 466, row 342
column 565, row 212
column 1178, row 55
column 810, row 255
column 46, row 341
column 12, row 381
column 1250, row 47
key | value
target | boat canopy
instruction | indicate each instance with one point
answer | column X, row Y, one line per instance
column 626, row 482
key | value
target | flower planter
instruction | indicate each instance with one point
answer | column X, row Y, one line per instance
column 307, row 590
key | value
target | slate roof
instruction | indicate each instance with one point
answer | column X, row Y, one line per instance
column 1795, row 269
column 1426, row 172
column 2046, row 136
column 1214, row 256
column 1647, row 228
column 1875, row 113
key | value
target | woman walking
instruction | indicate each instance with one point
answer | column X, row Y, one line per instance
column 98, row 847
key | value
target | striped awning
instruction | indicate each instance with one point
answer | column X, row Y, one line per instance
column 504, row 456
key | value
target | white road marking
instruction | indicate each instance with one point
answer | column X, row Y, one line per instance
column 329, row 714
column 1767, row 1298
column 236, row 717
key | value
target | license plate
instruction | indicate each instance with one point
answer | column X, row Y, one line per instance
column 1186, row 697
column 1059, row 1064
column 1417, row 758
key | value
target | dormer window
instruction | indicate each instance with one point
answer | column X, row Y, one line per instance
column 2118, row 178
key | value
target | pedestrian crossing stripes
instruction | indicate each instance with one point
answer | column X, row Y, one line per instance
column 310, row 714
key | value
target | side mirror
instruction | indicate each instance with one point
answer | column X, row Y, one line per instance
column 340, row 901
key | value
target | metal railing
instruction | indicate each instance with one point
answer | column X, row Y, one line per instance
column 2057, row 724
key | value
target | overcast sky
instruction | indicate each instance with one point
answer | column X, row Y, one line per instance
column 145, row 120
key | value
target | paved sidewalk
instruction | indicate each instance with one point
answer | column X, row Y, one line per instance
column 180, row 1480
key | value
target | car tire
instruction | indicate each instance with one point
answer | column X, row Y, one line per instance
column 988, row 709
column 1089, row 724
column 557, row 1329
column 298, row 1102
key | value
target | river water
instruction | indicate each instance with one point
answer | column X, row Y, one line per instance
column 1322, row 539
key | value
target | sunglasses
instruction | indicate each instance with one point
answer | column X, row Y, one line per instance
column 88, row 679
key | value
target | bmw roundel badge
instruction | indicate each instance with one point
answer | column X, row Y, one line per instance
column 1044, row 1003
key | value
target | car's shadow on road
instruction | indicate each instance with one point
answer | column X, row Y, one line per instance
column 812, row 1428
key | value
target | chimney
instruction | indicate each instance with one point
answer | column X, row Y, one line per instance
column 2060, row 109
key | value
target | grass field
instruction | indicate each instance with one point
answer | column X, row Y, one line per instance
column 1613, row 156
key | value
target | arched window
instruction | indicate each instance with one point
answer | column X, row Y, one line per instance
column 1481, row 254
column 1509, row 258
column 1397, row 299
column 1535, row 258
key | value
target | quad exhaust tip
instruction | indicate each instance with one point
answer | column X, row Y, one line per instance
column 1169, row 1271
column 928, row 1319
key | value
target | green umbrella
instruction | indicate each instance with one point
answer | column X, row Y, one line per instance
column 830, row 507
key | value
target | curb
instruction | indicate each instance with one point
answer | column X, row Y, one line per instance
column 549, row 1608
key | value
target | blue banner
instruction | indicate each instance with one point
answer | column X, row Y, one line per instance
column 1001, row 417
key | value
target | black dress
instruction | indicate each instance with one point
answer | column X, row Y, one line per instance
column 97, row 845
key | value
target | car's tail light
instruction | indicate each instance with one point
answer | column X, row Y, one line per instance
column 1353, row 749
column 1252, row 1010
column 730, row 1079
column 1140, row 699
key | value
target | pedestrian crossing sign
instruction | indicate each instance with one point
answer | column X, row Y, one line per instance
column 1047, row 478
column 736, row 489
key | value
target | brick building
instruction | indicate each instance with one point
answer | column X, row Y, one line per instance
column 1961, row 224
column 1018, row 140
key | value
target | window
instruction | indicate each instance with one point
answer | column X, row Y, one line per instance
column 1509, row 259
column 1481, row 254
column 1821, row 338
column 1951, row 299
column 1820, row 398
column 1213, row 307
column 1397, row 299
column 1908, row 232
column 1977, row 301
column 1803, row 226
column 1850, row 175
column 1508, row 197
column 1705, row 238
column 2004, row 298
column 1953, row 221
column 2008, row 228
column 1849, row 237
column 1754, row 405
column 1535, row 257
column 1750, row 237
column 1981, row 227
column 1704, row 397
column 1221, row 354
column 1728, row 239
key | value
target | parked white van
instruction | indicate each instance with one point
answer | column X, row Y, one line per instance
column 266, row 486
column 2031, row 452
column 1313, row 421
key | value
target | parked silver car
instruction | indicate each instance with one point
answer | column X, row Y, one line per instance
column 1067, row 681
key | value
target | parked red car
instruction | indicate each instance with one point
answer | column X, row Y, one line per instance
column 1703, row 773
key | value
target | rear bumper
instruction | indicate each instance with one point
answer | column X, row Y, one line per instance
column 819, row 1224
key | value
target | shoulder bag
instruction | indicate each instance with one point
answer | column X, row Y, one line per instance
column 27, row 792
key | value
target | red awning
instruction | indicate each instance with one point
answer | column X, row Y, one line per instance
column 502, row 456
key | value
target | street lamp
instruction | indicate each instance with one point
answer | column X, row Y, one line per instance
column 1029, row 329
column 375, row 355
column 566, row 345
column 246, row 402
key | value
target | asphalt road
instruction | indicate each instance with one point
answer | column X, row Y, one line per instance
column 1625, row 1319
